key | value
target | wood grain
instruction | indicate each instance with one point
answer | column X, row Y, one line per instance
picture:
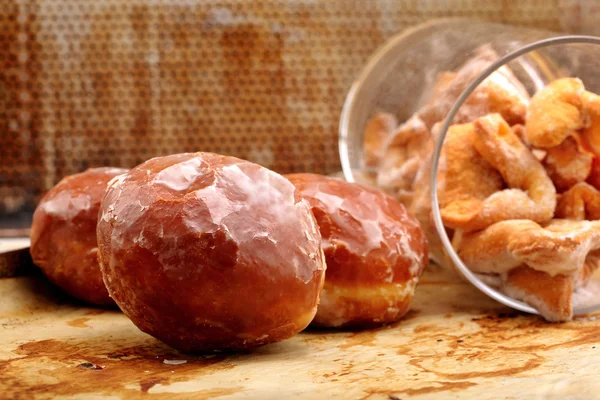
column 455, row 342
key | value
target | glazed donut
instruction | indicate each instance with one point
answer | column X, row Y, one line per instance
column 63, row 234
column 375, row 252
column 208, row 252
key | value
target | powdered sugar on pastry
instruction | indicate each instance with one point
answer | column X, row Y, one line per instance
column 566, row 165
column 555, row 113
column 465, row 179
column 560, row 247
column 587, row 296
column 500, row 92
column 405, row 167
column 404, row 152
column 375, row 136
column 470, row 190
column 580, row 202
column 540, row 265
column 590, row 135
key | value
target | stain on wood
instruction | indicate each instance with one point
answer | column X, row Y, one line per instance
column 455, row 342
column 79, row 323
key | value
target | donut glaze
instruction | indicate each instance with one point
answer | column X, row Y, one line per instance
column 63, row 234
column 208, row 252
column 375, row 252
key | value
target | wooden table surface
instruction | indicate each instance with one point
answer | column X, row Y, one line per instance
column 454, row 343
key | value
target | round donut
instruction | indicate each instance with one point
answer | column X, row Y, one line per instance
column 375, row 252
column 208, row 252
column 63, row 234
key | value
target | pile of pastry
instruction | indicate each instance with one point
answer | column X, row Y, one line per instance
column 209, row 252
column 518, row 181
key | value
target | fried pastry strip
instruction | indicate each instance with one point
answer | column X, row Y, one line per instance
column 566, row 165
column 465, row 179
column 561, row 246
column 555, row 113
column 470, row 191
column 376, row 134
column 403, row 154
column 581, row 202
column 539, row 265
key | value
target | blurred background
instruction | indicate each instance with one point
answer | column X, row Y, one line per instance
column 87, row 83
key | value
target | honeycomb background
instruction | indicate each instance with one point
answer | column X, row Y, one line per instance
column 90, row 83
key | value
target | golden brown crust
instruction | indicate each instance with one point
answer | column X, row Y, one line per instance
column 594, row 176
column 477, row 160
column 535, row 195
column 580, row 202
column 500, row 93
column 363, row 306
column 555, row 113
column 566, row 165
column 564, row 119
column 504, row 100
column 519, row 130
column 560, row 246
column 562, row 254
column 406, row 165
column 590, row 135
column 551, row 295
column 376, row 134
column 63, row 234
column 465, row 179
column 370, row 242
column 208, row 252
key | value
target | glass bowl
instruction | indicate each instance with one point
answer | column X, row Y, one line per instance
column 401, row 74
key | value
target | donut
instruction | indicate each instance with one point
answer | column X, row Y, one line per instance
column 63, row 234
column 375, row 252
column 208, row 252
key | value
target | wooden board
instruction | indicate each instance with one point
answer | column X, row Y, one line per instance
column 14, row 257
column 455, row 343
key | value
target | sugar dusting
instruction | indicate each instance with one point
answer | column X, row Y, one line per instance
column 533, row 300
column 587, row 296
column 180, row 176
column 241, row 199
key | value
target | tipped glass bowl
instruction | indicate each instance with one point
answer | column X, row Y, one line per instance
column 401, row 74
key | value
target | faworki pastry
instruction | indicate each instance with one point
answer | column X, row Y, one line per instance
column 517, row 183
